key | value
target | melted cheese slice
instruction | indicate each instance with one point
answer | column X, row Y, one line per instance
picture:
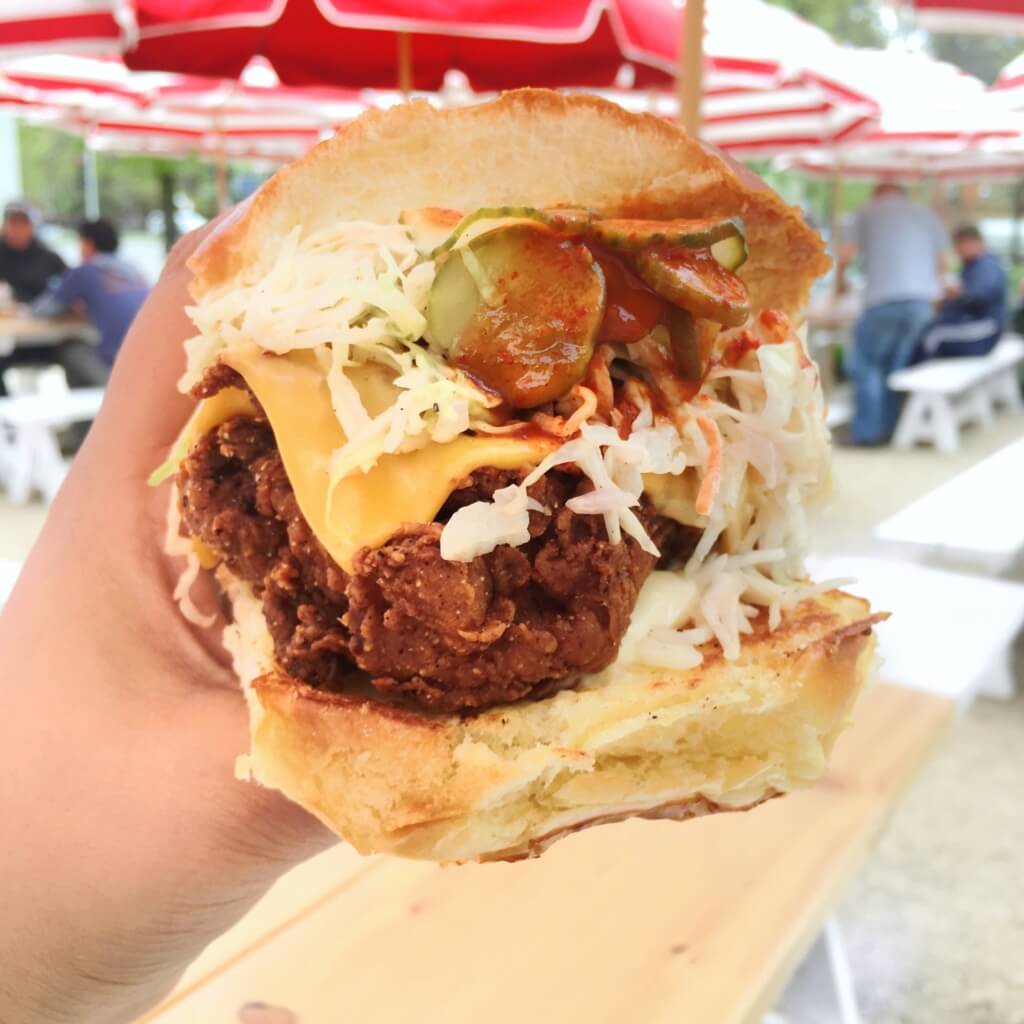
column 365, row 508
column 212, row 412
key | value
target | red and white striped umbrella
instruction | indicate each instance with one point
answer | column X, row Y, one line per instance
column 62, row 26
column 946, row 125
column 160, row 112
column 751, row 123
column 986, row 17
column 495, row 43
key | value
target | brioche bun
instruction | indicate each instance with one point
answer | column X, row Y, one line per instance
column 505, row 783
column 531, row 147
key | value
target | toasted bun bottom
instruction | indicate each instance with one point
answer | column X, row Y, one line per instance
column 505, row 783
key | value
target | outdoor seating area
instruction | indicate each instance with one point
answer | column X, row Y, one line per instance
column 343, row 467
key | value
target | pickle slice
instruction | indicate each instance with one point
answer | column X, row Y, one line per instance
column 731, row 252
column 565, row 221
column 429, row 227
column 696, row 281
column 519, row 310
column 691, row 340
column 634, row 235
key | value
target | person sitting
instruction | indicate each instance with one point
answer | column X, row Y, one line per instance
column 972, row 314
column 26, row 264
column 109, row 291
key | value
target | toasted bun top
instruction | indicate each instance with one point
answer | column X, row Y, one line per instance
column 531, row 147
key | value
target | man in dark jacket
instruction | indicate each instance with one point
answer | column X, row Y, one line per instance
column 26, row 264
column 972, row 315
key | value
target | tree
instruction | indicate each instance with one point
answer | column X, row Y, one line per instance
column 984, row 56
column 858, row 23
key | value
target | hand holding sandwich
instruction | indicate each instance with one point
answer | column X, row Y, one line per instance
column 499, row 449
column 129, row 844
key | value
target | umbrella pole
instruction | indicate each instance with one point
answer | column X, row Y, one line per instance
column 835, row 213
column 220, row 164
column 835, row 205
column 690, row 73
column 91, row 181
column 404, row 63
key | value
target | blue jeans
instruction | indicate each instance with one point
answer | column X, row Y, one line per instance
column 884, row 340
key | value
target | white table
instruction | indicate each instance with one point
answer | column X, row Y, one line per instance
column 19, row 329
column 950, row 633
column 974, row 519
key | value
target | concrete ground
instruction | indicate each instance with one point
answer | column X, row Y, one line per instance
column 934, row 924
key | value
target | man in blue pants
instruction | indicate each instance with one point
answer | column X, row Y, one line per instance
column 901, row 245
column 973, row 313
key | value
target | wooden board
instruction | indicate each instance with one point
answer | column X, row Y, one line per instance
column 642, row 922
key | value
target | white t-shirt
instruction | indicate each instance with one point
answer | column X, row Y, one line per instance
column 900, row 243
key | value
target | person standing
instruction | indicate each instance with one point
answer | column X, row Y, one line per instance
column 108, row 289
column 901, row 245
column 973, row 312
column 26, row 264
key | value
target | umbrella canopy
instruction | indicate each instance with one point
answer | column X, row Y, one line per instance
column 61, row 26
column 751, row 123
column 987, row 17
column 946, row 125
column 159, row 112
column 495, row 43
column 970, row 166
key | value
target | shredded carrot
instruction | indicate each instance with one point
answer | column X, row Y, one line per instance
column 713, row 477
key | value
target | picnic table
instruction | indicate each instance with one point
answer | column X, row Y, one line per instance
column 20, row 328
column 640, row 922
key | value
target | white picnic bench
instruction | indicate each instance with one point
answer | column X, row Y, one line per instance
column 30, row 458
column 974, row 520
column 945, row 394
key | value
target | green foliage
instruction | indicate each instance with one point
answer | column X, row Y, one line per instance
column 984, row 56
column 51, row 171
column 858, row 23
column 129, row 185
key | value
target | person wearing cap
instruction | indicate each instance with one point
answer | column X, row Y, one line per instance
column 109, row 290
column 901, row 245
column 26, row 264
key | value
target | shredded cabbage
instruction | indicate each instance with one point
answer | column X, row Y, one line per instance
column 354, row 294
column 475, row 526
column 181, row 547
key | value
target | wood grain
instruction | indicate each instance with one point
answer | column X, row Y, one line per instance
column 641, row 922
